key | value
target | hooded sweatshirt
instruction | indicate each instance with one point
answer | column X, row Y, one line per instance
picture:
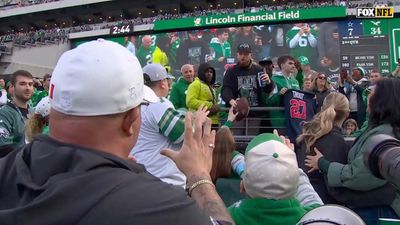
column 268, row 211
column 50, row 182
column 201, row 93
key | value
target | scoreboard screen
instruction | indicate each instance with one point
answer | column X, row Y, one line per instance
column 365, row 43
column 365, row 51
column 329, row 45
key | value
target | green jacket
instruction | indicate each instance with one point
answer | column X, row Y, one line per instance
column 360, row 131
column 178, row 93
column 276, row 99
column 198, row 94
column 12, row 127
column 268, row 211
column 300, row 79
column 355, row 175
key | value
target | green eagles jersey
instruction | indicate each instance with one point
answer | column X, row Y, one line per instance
column 12, row 126
column 220, row 50
column 145, row 56
column 303, row 47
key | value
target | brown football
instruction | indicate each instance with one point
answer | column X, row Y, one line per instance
column 242, row 107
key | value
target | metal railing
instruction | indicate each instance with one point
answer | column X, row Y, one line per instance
column 244, row 131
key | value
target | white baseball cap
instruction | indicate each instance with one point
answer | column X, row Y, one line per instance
column 98, row 78
column 271, row 168
column 43, row 107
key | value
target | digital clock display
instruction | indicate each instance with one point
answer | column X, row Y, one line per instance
column 121, row 29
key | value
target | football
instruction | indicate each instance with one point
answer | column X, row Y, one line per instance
column 242, row 107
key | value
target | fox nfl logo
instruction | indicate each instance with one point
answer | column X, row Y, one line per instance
column 378, row 12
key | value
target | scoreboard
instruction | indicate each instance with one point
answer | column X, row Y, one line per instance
column 365, row 43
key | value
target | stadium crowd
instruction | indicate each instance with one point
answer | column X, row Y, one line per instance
column 144, row 131
column 61, row 32
column 57, row 134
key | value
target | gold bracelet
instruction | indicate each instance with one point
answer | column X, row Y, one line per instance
column 199, row 183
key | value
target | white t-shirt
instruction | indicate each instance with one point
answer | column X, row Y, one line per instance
column 162, row 127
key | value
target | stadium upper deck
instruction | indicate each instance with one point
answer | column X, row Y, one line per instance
column 24, row 15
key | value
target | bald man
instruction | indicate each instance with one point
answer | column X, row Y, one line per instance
column 178, row 91
column 146, row 50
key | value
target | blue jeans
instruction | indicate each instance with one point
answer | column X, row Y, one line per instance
column 370, row 215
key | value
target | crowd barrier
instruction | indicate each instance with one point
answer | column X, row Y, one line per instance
column 247, row 129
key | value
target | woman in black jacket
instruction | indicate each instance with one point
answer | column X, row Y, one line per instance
column 324, row 132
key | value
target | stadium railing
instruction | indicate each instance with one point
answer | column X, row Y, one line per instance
column 247, row 129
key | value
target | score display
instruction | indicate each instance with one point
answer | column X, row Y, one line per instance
column 365, row 44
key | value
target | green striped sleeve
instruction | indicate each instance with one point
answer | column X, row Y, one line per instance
column 172, row 125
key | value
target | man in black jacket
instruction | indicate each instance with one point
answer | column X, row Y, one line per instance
column 80, row 173
column 247, row 79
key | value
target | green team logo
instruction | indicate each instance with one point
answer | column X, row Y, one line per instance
column 197, row 22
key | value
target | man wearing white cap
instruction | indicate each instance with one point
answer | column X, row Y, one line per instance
column 80, row 174
column 277, row 191
column 162, row 127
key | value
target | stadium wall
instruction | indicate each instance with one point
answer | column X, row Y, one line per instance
column 37, row 60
